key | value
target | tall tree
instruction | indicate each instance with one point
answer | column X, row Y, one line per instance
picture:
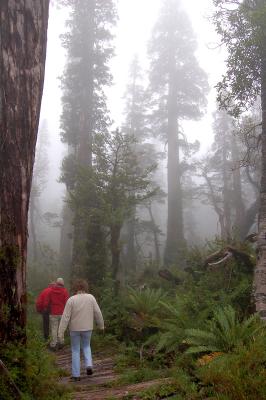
column 242, row 26
column 178, row 86
column 135, row 125
column 89, row 46
column 38, row 184
column 119, row 183
column 23, row 35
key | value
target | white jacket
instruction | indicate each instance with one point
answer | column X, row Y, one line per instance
column 80, row 311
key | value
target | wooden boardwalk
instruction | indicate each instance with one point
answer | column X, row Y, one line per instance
column 98, row 385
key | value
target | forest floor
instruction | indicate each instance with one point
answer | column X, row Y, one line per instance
column 104, row 383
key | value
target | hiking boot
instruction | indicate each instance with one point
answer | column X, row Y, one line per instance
column 75, row 378
column 89, row 371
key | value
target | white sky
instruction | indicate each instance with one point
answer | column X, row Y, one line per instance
column 136, row 19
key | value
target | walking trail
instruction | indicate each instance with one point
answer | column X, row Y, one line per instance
column 101, row 385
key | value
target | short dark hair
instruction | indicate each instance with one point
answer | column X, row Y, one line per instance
column 80, row 285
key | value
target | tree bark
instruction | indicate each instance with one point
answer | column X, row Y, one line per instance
column 33, row 236
column 23, row 30
column 260, row 270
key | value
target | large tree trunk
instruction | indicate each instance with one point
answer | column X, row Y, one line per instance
column 23, row 29
column 260, row 270
column 175, row 231
column 86, row 11
column 32, row 237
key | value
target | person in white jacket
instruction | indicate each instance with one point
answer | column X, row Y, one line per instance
column 79, row 313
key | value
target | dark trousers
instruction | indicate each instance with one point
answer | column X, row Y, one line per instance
column 45, row 321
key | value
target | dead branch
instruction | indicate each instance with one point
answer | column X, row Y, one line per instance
column 13, row 387
column 227, row 255
column 214, row 256
column 166, row 274
column 221, row 256
column 252, row 238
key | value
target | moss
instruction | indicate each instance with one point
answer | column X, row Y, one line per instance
column 9, row 256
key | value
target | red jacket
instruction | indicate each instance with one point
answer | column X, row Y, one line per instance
column 56, row 300
column 41, row 299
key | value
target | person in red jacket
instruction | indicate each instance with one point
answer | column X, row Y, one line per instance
column 55, row 302
column 40, row 308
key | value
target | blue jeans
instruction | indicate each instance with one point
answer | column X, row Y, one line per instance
column 85, row 338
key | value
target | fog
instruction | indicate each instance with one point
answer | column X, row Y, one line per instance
column 131, row 37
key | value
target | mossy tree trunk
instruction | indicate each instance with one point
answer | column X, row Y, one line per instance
column 260, row 270
column 23, row 30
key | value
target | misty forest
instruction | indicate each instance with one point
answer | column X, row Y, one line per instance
column 133, row 160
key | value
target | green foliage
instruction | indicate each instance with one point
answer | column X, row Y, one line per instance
column 180, row 388
column 105, row 195
column 146, row 307
column 224, row 333
column 171, row 328
column 237, row 375
column 141, row 374
column 32, row 369
column 241, row 26
column 145, row 301
column 115, row 313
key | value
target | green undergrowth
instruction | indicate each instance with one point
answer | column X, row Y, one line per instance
column 33, row 370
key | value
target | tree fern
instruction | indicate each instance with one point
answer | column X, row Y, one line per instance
column 146, row 301
column 224, row 332
column 145, row 307
column 171, row 328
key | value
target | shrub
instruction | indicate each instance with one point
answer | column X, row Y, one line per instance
column 238, row 375
column 32, row 369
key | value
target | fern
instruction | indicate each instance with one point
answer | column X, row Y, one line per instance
column 225, row 333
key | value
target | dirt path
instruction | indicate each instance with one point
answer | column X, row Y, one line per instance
column 95, row 387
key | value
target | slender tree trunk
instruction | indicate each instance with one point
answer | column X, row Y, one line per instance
column 238, row 203
column 131, row 224
column 175, row 241
column 131, row 248
column 23, row 29
column 260, row 270
column 226, row 196
column 66, row 241
column 155, row 238
column 115, row 250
